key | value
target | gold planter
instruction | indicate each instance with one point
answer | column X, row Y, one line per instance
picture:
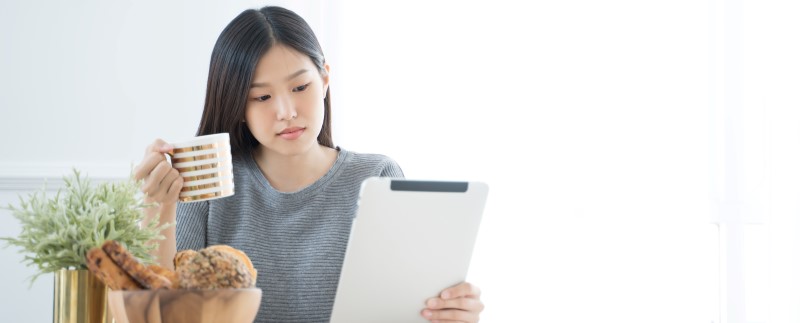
column 79, row 297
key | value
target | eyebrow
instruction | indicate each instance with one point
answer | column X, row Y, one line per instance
column 295, row 74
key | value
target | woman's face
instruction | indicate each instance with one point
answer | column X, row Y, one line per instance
column 285, row 106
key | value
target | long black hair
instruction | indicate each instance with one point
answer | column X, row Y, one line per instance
column 237, row 51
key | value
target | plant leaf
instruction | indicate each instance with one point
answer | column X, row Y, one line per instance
column 57, row 232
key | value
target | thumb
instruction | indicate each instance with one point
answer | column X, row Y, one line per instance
column 161, row 146
column 166, row 148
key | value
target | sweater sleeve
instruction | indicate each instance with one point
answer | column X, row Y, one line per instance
column 391, row 169
column 191, row 224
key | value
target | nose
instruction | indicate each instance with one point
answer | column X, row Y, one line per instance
column 285, row 109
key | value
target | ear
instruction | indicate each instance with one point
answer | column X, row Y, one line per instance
column 326, row 78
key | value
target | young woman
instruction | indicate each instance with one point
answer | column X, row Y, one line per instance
column 296, row 193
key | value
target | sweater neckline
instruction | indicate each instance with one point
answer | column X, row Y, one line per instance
column 309, row 190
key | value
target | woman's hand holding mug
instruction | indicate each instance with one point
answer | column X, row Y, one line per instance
column 198, row 169
column 162, row 183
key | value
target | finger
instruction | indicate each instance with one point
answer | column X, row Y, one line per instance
column 451, row 315
column 169, row 178
column 165, row 185
column 175, row 189
column 461, row 290
column 153, row 154
column 166, row 148
column 461, row 303
column 158, row 146
column 153, row 181
column 149, row 162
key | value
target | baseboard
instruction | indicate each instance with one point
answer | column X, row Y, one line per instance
column 34, row 176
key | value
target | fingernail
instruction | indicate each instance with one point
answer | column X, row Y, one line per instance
column 427, row 313
column 432, row 302
column 445, row 294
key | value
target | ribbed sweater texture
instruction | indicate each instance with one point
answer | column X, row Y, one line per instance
column 295, row 240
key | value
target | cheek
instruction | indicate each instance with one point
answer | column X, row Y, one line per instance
column 257, row 120
column 249, row 118
column 314, row 109
column 315, row 103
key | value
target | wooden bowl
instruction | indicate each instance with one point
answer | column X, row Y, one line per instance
column 185, row 305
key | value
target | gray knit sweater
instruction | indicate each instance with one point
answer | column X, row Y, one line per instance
column 296, row 240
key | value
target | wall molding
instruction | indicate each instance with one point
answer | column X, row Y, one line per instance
column 35, row 176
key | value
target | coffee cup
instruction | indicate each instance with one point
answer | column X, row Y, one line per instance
column 206, row 166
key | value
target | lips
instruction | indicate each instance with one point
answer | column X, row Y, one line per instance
column 291, row 133
column 290, row 130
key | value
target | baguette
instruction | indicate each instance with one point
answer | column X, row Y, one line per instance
column 101, row 265
column 139, row 272
column 170, row 275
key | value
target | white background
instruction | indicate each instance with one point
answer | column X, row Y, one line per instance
column 642, row 155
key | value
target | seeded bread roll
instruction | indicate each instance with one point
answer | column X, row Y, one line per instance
column 239, row 254
column 182, row 256
column 214, row 269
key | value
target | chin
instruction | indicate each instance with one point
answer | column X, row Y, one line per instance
column 294, row 148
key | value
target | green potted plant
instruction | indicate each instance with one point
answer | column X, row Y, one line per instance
column 58, row 231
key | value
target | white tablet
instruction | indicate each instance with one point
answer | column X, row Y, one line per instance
column 410, row 240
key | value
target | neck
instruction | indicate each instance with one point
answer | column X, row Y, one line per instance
column 290, row 173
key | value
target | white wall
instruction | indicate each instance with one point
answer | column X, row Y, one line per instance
column 89, row 84
column 19, row 300
column 94, row 82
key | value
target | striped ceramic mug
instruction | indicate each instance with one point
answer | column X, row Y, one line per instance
column 205, row 164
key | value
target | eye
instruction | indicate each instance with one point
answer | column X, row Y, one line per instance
column 263, row 98
column 301, row 88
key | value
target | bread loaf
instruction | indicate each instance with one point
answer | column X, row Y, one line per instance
column 214, row 269
column 101, row 265
column 238, row 254
column 134, row 268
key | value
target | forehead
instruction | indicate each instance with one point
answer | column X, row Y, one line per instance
column 279, row 62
